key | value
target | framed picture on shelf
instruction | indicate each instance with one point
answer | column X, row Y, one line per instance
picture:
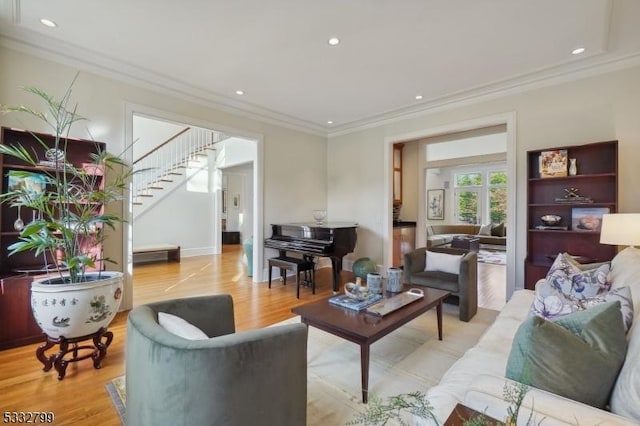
column 587, row 219
column 435, row 204
column 32, row 185
column 553, row 163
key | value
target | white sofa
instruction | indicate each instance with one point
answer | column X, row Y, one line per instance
column 478, row 378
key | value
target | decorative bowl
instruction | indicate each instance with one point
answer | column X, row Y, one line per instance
column 551, row 219
column 319, row 216
column 356, row 291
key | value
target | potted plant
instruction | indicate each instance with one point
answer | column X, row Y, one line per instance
column 76, row 297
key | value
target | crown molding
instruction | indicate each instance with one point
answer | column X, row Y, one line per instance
column 532, row 81
column 74, row 56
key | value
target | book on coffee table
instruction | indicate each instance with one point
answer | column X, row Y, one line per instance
column 349, row 302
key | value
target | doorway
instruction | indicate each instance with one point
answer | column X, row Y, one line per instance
column 235, row 149
column 507, row 121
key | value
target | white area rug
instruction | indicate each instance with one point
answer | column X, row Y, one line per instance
column 409, row 359
column 496, row 257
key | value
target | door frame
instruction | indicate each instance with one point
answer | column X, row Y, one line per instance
column 509, row 120
column 258, row 195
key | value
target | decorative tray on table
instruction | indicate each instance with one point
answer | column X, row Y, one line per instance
column 386, row 306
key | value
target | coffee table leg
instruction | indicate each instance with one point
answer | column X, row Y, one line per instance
column 364, row 365
column 439, row 313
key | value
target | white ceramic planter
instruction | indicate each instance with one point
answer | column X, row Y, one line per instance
column 75, row 310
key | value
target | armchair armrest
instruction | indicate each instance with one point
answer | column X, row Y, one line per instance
column 468, row 285
column 414, row 261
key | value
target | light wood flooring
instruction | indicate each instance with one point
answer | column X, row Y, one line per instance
column 81, row 398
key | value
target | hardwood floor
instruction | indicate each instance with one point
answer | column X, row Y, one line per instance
column 81, row 398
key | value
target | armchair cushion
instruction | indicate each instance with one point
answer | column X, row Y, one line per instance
column 178, row 326
column 442, row 262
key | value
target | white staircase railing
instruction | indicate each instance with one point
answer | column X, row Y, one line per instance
column 170, row 159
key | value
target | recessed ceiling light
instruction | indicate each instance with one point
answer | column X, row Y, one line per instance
column 240, row 92
column 48, row 23
column 329, row 122
column 578, row 51
column 418, row 97
column 333, row 41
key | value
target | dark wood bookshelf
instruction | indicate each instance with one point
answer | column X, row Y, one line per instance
column 597, row 179
column 17, row 271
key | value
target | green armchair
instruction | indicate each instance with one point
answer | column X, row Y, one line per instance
column 236, row 379
column 464, row 284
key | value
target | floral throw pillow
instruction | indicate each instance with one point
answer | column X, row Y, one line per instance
column 569, row 289
column 570, row 277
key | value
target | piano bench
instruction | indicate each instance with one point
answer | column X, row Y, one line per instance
column 296, row 265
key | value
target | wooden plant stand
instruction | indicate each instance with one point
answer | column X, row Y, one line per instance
column 58, row 360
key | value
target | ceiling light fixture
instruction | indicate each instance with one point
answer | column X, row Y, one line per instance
column 240, row 92
column 418, row 97
column 333, row 41
column 48, row 23
column 578, row 51
column 329, row 122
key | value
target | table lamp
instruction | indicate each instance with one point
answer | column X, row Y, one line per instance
column 622, row 229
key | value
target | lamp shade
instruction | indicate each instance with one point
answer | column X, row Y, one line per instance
column 621, row 229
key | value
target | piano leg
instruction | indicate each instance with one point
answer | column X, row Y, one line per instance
column 336, row 267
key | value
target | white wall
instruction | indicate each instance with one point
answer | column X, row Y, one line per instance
column 597, row 108
column 148, row 133
column 183, row 218
column 294, row 172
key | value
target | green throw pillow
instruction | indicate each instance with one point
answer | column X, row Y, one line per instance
column 577, row 356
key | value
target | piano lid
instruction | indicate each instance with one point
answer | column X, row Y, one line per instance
column 328, row 225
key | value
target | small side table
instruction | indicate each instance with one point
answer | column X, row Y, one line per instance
column 466, row 243
column 461, row 413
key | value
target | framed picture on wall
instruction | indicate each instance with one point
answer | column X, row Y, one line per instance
column 435, row 204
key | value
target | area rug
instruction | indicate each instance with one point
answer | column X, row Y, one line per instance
column 409, row 359
column 497, row 257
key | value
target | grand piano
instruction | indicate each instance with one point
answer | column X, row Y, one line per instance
column 331, row 239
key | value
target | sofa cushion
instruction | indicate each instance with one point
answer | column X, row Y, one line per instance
column 577, row 356
column 180, row 327
column 485, row 230
column 580, row 281
column 499, row 230
column 625, row 271
column 444, row 262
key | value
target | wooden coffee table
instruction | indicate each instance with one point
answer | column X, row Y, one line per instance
column 363, row 328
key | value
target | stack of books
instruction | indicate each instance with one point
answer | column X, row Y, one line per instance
column 349, row 302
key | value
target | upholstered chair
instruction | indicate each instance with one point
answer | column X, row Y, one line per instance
column 235, row 379
column 463, row 283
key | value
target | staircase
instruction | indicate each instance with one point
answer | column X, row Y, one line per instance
column 163, row 169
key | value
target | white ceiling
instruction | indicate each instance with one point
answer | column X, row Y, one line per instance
column 276, row 51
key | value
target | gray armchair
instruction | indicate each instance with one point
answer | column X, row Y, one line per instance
column 251, row 377
column 464, row 285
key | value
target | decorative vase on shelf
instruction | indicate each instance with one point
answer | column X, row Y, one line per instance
column 573, row 168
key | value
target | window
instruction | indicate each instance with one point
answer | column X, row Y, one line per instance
column 480, row 197
column 497, row 197
column 467, row 197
